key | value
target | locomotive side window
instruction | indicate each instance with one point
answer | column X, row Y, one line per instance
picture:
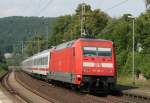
column 97, row 51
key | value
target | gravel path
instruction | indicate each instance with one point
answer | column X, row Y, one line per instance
column 24, row 92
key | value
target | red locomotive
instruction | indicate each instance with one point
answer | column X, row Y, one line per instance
column 82, row 63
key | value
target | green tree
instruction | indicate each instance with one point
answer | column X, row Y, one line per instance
column 35, row 45
column 95, row 20
column 2, row 58
column 68, row 27
column 119, row 31
column 2, row 62
column 16, row 28
column 60, row 28
column 144, row 31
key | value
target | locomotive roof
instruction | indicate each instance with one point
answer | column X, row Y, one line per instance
column 70, row 43
column 92, row 39
column 64, row 45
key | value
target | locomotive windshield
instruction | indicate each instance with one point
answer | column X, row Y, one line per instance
column 97, row 51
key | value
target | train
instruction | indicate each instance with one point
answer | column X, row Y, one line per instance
column 84, row 63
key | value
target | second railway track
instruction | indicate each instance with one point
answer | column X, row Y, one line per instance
column 19, row 93
column 17, row 98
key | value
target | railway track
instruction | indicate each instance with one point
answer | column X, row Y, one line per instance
column 18, row 98
column 17, row 92
column 36, row 92
column 63, row 95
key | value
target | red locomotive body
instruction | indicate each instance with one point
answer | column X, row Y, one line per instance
column 88, row 63
column 82, row 63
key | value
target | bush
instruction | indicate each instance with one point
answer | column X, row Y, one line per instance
column 121, row 60
column 142, row 64
column 3, row 66
column 145, row 65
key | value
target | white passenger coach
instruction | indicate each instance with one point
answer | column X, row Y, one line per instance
column 38, row 63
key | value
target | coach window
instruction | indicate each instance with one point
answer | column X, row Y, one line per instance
column 29, row 62
column 37, row 61
column 34, row 62
column 40, row 61
column 44, row 60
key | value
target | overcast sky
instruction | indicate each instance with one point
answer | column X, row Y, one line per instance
column 54, row 8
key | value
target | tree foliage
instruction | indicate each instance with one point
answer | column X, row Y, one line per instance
column 35, row 45
column 68, row 27
column 15, row 29
column 144, row 31
column 2, row 62
column 2, row 58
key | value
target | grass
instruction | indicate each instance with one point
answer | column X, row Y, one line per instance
column 2, row 71
column 128, row 81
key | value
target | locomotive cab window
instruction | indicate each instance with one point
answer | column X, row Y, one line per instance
column 104, row 51
column 89, row 51
column 97, row 51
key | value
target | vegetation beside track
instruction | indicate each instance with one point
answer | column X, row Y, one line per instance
column 126, row 80
column 3, row 65
column 2, row 71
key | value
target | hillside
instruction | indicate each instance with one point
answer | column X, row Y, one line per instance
column 13, row 29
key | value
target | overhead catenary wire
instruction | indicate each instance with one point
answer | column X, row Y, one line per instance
column 28, row 6
column 117, row 5
column 41, row 10
column 39, row 5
